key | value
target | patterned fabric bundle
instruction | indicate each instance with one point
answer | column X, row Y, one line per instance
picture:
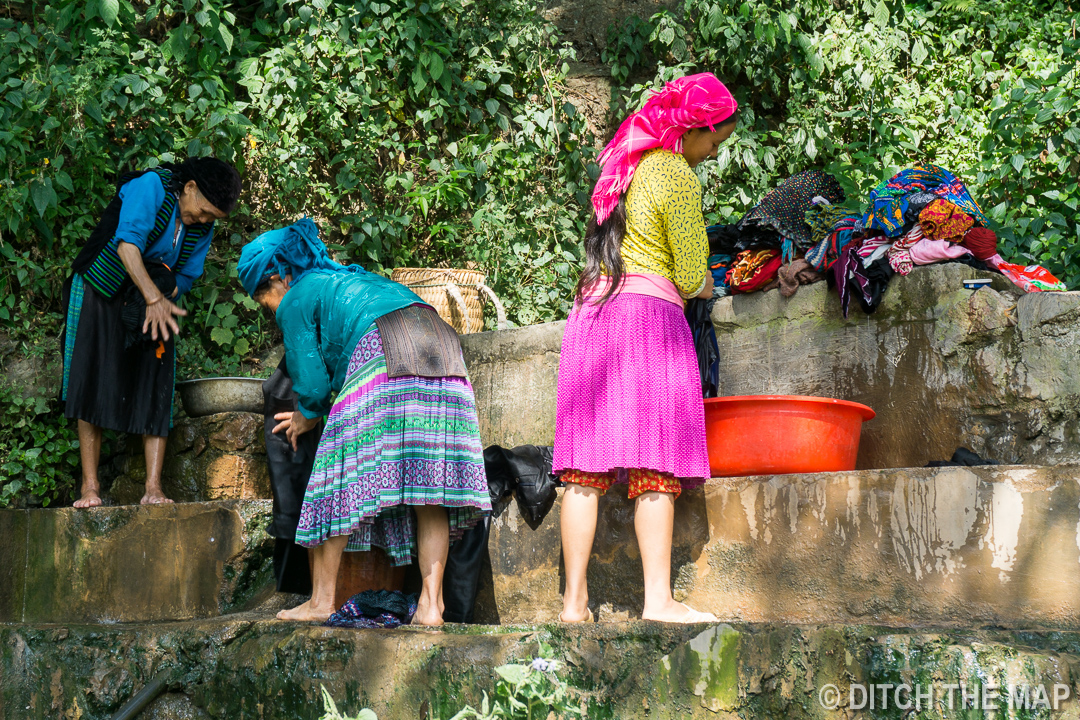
column 390, row 443
column 832, row 228
column 900, row 252
column 941, row 220
column 753, row 269
column 889, row 201
column 694, row 101
column 784, row 209
column 373, row 609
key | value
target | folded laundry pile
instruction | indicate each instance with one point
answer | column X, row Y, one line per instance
column 804, row 231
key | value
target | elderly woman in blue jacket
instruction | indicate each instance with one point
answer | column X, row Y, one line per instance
column 399, row 465
column 146, row 252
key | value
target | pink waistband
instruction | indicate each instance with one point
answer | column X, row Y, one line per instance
column 656, row 286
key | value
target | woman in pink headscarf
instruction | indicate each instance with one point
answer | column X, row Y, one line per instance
column 629, row 394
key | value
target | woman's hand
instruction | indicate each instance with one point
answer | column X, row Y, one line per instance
column 159, row 318
column 707, row 291
column 294, row 424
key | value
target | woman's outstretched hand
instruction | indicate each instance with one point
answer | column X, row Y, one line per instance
column 294, row 424
column 159, row 318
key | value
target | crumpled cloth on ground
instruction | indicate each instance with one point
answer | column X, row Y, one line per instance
column 927, row 251
column 962, row 458
column 799, row 272
column 375, row 609
column 889, row 203
column 784, row 208
column 941, row 220
column 753, row 270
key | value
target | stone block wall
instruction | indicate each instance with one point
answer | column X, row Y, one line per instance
column 216, row 457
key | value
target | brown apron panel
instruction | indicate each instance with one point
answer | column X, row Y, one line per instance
column 416, row 341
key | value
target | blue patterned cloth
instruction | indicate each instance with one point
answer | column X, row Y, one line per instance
column 375, row 609
column 888, row 202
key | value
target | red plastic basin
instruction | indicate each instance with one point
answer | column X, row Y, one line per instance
column 779, row 434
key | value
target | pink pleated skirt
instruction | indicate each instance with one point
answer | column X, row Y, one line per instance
column 629, row 393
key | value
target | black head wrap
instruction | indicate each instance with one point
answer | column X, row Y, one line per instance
column 218, row 181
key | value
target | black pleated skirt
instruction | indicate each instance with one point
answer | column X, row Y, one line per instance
column 126, row 390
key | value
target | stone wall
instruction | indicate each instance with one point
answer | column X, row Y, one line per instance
column 250, row 667
column 133, row 563
column 947, row 546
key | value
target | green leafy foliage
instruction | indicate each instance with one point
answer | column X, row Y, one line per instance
column 39, row 449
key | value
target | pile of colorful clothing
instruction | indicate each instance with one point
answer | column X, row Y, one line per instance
column 802, row 230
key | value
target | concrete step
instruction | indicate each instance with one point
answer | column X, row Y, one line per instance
column 247, row 666
column 962, row 547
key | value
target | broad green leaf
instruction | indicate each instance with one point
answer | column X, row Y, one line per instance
column 918, row 53
column 221, row 336
column 109, row 10
column 226, row 37
column 435, row 66
column 881, row 14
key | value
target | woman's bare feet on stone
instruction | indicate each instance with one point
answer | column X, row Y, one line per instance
column 89, row 499
column 676, row 612
column 427, row 614
column 306, row 613
column 155, row 498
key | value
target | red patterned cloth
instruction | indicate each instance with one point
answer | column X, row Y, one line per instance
column 754, row 269
column 694, row 101
column 641, row 481
column 941, row 220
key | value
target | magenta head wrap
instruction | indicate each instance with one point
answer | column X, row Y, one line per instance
column 690, row 102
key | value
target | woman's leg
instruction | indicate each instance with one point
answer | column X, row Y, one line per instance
column 154, row 447
column 654, row 518
column 580, row 504
column 325, row 560
column 90, row 455
column 433, row 542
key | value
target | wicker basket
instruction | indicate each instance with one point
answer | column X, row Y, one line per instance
column 455, row 294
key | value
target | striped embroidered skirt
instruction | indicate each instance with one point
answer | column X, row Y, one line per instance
column 390, row 443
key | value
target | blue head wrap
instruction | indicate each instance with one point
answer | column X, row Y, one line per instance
column 295, row 250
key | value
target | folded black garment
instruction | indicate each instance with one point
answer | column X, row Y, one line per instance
column 133, row 313
column 526, row 472
column 962, row 458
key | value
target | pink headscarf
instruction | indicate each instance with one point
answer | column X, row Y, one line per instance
column 690, row 102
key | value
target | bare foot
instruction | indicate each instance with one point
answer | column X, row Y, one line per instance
column 427, row 615
column 676, row 612
column 576, row 614
column 305, row 613
column 89, row 499
column 155, row 498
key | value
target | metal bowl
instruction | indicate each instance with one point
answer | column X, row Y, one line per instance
column 207, row 396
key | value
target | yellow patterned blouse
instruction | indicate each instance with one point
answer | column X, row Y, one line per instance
column 665, row 230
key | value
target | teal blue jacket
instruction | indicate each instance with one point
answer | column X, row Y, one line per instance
column 323, row 316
